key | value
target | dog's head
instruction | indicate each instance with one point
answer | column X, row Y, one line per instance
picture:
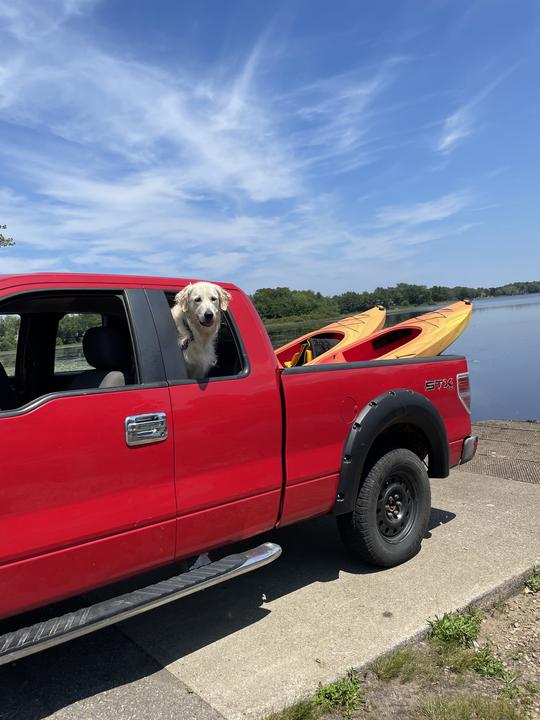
column 203, row 303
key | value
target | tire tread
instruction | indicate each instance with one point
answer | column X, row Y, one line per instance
column 357, row 528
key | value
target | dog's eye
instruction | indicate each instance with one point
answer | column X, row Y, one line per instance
column 197, row 299
column 214, row 299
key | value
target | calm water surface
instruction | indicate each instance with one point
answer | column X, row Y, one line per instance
column 502, row 345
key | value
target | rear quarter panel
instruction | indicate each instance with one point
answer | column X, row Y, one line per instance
column 321, row 406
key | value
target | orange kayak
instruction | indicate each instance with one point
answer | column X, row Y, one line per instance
column 423, row 336
column 315, row 347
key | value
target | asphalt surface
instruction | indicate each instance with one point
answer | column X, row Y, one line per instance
column 257, row 643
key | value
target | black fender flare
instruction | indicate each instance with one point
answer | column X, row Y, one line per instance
column 389, row 408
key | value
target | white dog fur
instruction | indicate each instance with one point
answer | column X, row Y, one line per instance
column 197, row 314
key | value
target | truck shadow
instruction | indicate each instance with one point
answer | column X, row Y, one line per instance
column 106, row 663
column 437, row 518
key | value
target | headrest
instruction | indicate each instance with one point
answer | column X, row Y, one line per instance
column 105, row 348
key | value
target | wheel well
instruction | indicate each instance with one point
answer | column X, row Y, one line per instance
column 401, row 435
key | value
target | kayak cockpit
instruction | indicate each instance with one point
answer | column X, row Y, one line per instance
column 307, row 350
column 374, row 348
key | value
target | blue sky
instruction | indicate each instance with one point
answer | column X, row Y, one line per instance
column 326, row 145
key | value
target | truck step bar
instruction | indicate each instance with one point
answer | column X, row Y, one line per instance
column 26, row 641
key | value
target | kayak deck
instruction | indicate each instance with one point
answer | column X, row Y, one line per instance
column 314, row 347
column 424, row 336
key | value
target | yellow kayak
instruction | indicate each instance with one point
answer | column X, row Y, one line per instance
column 316, row 346
column 423, row 336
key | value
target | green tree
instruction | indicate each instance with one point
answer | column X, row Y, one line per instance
column 353, row 302
column 282, row 302
column 5, row 241
column 9, row 329
column 439, row 293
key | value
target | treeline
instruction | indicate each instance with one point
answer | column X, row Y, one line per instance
column 281, row 302
column 70, row 329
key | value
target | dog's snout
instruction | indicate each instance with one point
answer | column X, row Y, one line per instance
column 208, row 315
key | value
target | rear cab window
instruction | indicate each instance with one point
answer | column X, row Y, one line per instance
column 231, row 357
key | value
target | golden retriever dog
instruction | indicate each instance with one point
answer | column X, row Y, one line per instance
column 197, row 313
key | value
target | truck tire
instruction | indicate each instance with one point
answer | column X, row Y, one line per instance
column 392, row 510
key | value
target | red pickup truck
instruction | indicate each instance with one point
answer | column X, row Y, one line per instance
column 115, row 462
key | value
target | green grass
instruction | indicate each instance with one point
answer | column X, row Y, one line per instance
column 452, row 656
column 302, row 710
column 469, row 707
column 533, row 581
column 404, row 664
column 521, row 696
column 459, row 628
column 344, row 695
column 487, row 664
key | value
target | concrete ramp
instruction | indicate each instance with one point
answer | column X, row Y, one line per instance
column 509, row 450
column 266, row 640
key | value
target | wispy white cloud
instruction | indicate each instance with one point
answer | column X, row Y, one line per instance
column 137, row 168
column 334, row 112
column 425, row 212
column 461, row 123
column 457, row 127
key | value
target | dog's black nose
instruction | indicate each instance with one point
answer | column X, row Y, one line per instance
column 208, row 315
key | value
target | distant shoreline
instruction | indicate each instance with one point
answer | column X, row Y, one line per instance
column 293, row 320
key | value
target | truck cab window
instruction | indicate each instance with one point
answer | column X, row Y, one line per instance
column 59, row 341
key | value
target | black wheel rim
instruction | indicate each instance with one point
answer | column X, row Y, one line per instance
column 396, row 507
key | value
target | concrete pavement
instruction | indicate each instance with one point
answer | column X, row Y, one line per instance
column 264, row 641
column 247, row 647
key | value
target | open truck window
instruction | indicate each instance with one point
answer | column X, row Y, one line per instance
column 231, row 360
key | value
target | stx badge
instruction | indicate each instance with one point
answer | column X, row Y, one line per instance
column 443, row 384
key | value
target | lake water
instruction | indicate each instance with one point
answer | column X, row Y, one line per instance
column 502, row 345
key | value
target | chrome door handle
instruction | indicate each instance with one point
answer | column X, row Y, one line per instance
column 144, row 429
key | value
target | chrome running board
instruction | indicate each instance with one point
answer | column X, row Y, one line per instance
column 26, row 641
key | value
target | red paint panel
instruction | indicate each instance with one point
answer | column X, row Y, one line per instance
column 68, row 475
column 316, row 432
column 455, row 452
column 228, row 434
column 217, row 526
column 309, row 499
column 38, row 581
column 227, row 441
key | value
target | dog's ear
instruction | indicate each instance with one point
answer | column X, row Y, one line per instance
column 224, row 298
column 182, row 298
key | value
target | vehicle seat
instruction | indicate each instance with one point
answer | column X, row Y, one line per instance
column 108, row 351
column 320, row 345
column 8, row 396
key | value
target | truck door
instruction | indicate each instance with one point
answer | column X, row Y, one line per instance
column 87, row 484
column 227, row 432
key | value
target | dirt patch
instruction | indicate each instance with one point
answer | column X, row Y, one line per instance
column 475, row 665
column 514, row 631
column 510, row 631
